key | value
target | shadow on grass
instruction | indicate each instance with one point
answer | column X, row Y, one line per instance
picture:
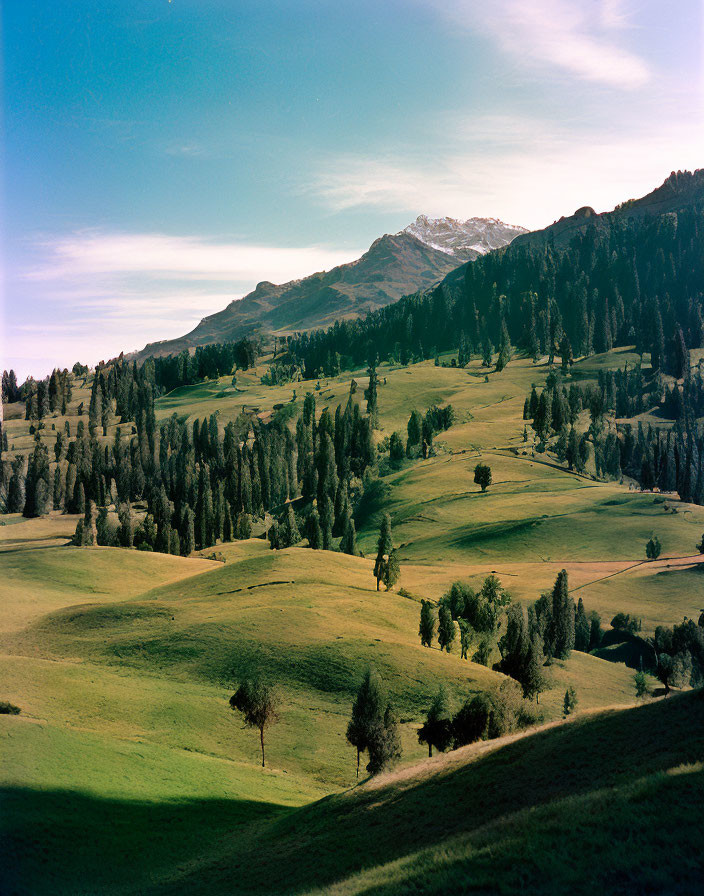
column 587, row 802
column 61, row 841
column 586, row 762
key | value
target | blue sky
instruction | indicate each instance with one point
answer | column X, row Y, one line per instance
column 161, row 158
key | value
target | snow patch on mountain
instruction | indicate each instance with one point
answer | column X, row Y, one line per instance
column 463, row 239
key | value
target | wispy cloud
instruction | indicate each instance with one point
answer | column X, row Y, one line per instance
column 582, row 40
column 96, row 293
column 525, row 171
column 87, row 253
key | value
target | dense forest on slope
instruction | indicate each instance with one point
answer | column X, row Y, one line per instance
column 620, row 281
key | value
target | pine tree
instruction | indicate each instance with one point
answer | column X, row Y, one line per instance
column 367, row 713
column 126, row 534
column 313, row 533
column 426, row 629
column 293, row 536
column 384, row 743
column 563, row 613
column 581, row 628
column 446, row 628
column 348, row 544
column 466, row 634
column 436, row 731
column 533, row 680
column 385, row 546
column 372, row 396
column 392, row 570
column 570, row 701
column 188, row 541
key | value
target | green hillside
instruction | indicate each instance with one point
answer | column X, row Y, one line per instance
column 122, row 663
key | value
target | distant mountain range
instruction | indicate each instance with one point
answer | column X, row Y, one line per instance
column 395, row 265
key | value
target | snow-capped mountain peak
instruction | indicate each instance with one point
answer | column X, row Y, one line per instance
column 463, row 239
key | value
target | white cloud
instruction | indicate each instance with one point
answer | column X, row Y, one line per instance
column 523, row 171
column 87, row 253
column 581, row 39
column 94, row 294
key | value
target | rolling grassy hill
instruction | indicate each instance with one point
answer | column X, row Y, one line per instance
column 122, row 663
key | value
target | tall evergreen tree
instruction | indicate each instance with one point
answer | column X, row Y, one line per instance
column 384, row 548
column 436, row 731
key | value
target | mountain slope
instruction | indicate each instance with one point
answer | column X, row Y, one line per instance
column 395, row 265
column 679, row 190
column 546, row 812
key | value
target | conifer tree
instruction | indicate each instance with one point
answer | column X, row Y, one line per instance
column 188, row 542
column 581, row 628
column 392, row 570
column 367, row 713
column 533, row 679
column 126, row 535
column 313, row 533
column 385, row 546
column 384, row 743
column 446, row 628
column 348, row 544
column 563, row 617
column 372, row 396
column 465, row 638
column 426, row 629
column 436, row 731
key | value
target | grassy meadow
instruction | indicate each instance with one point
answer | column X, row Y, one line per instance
column 126, row 771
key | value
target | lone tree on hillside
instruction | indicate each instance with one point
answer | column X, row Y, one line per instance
column 426, row 630
column 256, row 701
column 570, row 701
column 437, row 728
column 373, row 726
column 386, row 566
column 482, row 476
column 653, row 548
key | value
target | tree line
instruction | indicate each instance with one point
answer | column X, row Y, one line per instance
column 625, row 282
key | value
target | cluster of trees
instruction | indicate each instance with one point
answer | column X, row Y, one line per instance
column 11, row 391
column 624, row 282
column 476, row 613
column 671, row 459
column 483, row 716
column 202, row 486
column 679, row 653
column 207, row 362
column 43, row 397
column 552, row 627
column 420, row 431
column 668, row 458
